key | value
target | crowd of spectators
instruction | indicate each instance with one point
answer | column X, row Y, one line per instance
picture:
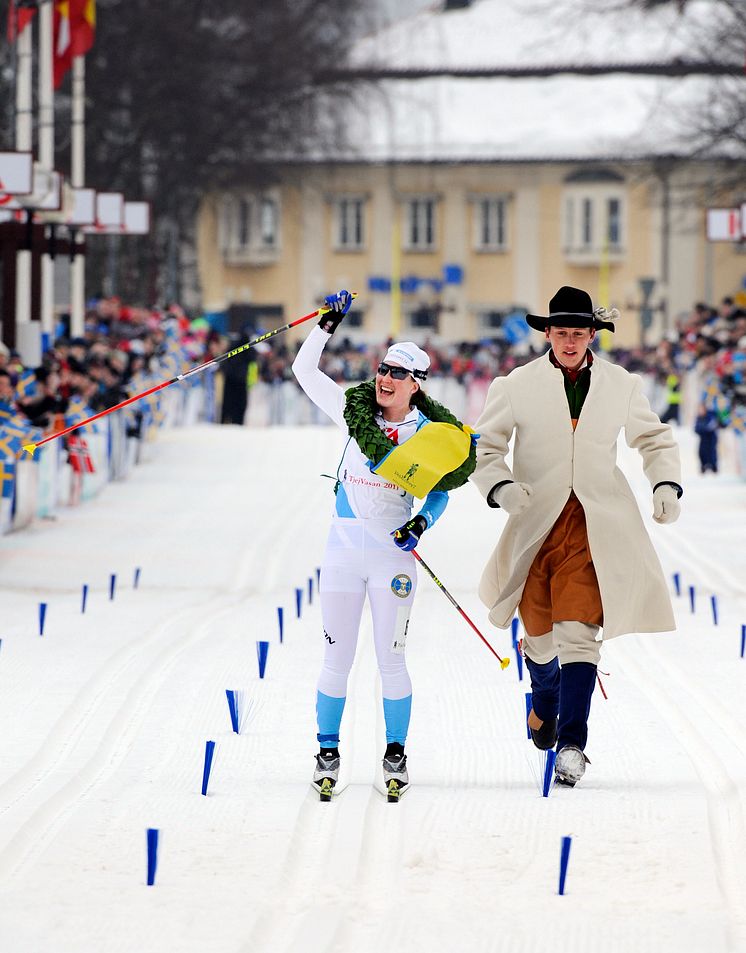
column 124, row 347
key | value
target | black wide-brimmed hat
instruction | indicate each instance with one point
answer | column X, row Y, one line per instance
column 572, row 308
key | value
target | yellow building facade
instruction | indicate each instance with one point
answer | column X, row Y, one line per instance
column 448, row 251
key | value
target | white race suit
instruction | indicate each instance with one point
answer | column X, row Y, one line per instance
column 361, row 557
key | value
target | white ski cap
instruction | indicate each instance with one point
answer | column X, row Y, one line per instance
column 406, row 354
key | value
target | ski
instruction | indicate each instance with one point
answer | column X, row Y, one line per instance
column 395, row 791
column 326, row 789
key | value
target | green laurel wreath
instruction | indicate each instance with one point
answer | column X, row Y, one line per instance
column 360, row 412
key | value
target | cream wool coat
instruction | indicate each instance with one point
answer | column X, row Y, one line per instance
column 554, row 460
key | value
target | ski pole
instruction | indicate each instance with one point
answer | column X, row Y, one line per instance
column 504, row 662
column 213, row 362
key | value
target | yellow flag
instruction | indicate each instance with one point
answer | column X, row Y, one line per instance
column 420, row 462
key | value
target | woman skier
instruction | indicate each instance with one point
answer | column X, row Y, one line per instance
column 372, row 535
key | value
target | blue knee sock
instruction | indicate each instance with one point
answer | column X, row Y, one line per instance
column 329, row 717
column 396, row 712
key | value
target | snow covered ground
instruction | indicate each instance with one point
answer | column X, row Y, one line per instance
column 105, row 718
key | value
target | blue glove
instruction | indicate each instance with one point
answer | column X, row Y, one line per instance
column 340, row 305
column 407, row 536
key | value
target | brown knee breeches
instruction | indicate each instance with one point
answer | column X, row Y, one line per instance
column 562, row 584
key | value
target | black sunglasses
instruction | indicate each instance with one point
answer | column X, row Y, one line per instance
column 398, row 373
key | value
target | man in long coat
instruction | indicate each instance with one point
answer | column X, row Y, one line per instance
column 574, row 556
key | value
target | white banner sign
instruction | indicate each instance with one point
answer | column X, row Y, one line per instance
column 16, row 174
column 136, row 218
column 84, row 207
column 724, row 225
column 110, row 210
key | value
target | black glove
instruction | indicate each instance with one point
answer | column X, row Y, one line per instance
column 339, row 305
column 407, row 536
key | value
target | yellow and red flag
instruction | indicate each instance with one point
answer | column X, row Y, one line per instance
column 74, row 32
column 18, row 20
column 62, row 55
column 83, row 24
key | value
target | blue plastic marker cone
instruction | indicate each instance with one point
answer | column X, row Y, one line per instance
column 564, row 860
column 137, row 578
column 310, row 590
column 209, row 751
column 152, row 854
column 1, row 643
column 677, row 583
column 318, row 578
column 112, row 586
column 714, row 604
column 692, row 599
column 42, row 616
column 548, row 772
column 233, row 708
column 262, row 648
column 529, row 705
column 514, row 630
column 519, row 662
column 743, row 640
column 298, row 602
column 280, row 623
column 84, row 600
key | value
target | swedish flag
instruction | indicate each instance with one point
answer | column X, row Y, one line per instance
column 7, row 479
column 27, row 385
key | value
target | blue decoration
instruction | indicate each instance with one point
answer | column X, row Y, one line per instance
column 233, row 708
column 564, row 860
column 112, row 586
column 409, row 284
column 152, row 854
column 677, row 583
column 692, row 598
column 519, row 662
column 379, row 283
column 515, row 329
column 514, row 630
column 209, row 751
column 262, row 648
column 42, row 616
column 84, row 599
column 298, row 602
column 714, row 604
column 310, row 590
column 529, row 706
column 137, row 577
column 280, row 623
column 453, row 274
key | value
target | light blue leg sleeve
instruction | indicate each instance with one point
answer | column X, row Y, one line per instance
column 396, row 712
column 329, row 717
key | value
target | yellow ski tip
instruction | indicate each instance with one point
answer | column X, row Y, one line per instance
column 505, row 662
column 29, row 448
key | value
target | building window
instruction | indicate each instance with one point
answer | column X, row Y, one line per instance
column 424, row 317
column 421, row 224
column 350, row 224
column 244, row 222
column 268, row 222
column 250, row 228
column 587, row 239
column 491, row 232
column 593, row 222
column 613, row 223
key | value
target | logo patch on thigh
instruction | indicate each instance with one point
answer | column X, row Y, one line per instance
column 401, row 585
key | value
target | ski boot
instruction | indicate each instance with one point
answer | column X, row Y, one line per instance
column 326, row 772
column 569, row 766
column 395, row 775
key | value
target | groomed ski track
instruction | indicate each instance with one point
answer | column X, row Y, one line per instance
column 105, row 720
